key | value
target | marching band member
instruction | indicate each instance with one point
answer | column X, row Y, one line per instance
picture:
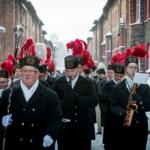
column 31, row 113
column 77, row 96
column 133, row 136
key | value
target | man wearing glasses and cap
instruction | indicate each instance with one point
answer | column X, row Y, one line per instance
column 34, row 117
column 134, row 135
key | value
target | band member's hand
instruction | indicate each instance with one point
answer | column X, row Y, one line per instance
column 136, row 97
column 47, row 141
column 7, row 120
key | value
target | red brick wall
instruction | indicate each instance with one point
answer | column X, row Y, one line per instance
column 9, row 25
column 13, row 13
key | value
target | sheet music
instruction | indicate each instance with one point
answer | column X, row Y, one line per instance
column 140, row 78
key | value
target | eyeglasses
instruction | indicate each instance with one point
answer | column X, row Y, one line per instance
column 29, row 71
column 133, row 67
column 4, row 82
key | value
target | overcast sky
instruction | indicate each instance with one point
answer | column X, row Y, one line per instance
column 69, row 19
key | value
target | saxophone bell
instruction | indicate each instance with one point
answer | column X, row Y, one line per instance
column 133, row 106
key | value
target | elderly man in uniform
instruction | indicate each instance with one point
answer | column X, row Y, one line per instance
column 34, row 117
column 77, row 96
column 134, row 135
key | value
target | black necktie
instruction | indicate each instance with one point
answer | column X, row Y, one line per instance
column 70, row 83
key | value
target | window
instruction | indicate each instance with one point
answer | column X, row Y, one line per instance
column 138, row 10
column 147, row 9
column 23, row 15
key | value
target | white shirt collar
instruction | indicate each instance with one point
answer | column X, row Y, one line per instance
column 28, row 92
column 128, row 79
column 114, row 81
column 129, row 83
column 73, row 82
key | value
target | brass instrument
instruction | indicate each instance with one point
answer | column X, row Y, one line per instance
column 131, row 107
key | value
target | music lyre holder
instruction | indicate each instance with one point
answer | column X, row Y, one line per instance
column 18, row 32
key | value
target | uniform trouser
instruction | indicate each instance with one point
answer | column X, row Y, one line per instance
column 74, row 137
column 98, row 117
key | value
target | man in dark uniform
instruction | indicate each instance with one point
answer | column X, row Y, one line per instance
column 91, row 111
column 110, row 72
column 101, row 81
column 17, row 74
column 34, row 117
column 108, row 117
column 4, row 81
column 133, row 136
column 77, row 96
column 3, row 85
column 44, row 76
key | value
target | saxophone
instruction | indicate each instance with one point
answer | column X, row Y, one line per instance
column 131, row 107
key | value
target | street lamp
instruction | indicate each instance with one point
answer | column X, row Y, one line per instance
column 18, row 30
column 121, row 23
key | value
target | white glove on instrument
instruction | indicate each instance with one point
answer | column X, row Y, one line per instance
column 47, row 141
column 7, row 120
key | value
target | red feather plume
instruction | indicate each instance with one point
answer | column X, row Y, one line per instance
column 139, row 51
column 9, row 65
column 24, row 50
column 118, row 58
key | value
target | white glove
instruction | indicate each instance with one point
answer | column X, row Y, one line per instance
column 47, row 141
column 7, row 120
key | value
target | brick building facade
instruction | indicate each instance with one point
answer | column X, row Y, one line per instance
column 13, row 13
column 123, row 24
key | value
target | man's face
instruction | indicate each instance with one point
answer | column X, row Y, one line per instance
column 110, row 74
column 118, row 77
column 43, row 75
column 131, row 69
column 102, row 76
column 3, row 83
column 17, row 73
column 29, row 75
column 72, row 73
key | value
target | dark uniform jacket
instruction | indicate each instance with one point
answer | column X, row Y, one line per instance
column 32, row 120
column 135, row 136
column 108, row 117
column 104, row 99
column 76, row 104
column 48, row 82
column 83, row 96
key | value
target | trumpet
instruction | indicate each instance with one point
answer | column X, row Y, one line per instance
column 131, row 107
